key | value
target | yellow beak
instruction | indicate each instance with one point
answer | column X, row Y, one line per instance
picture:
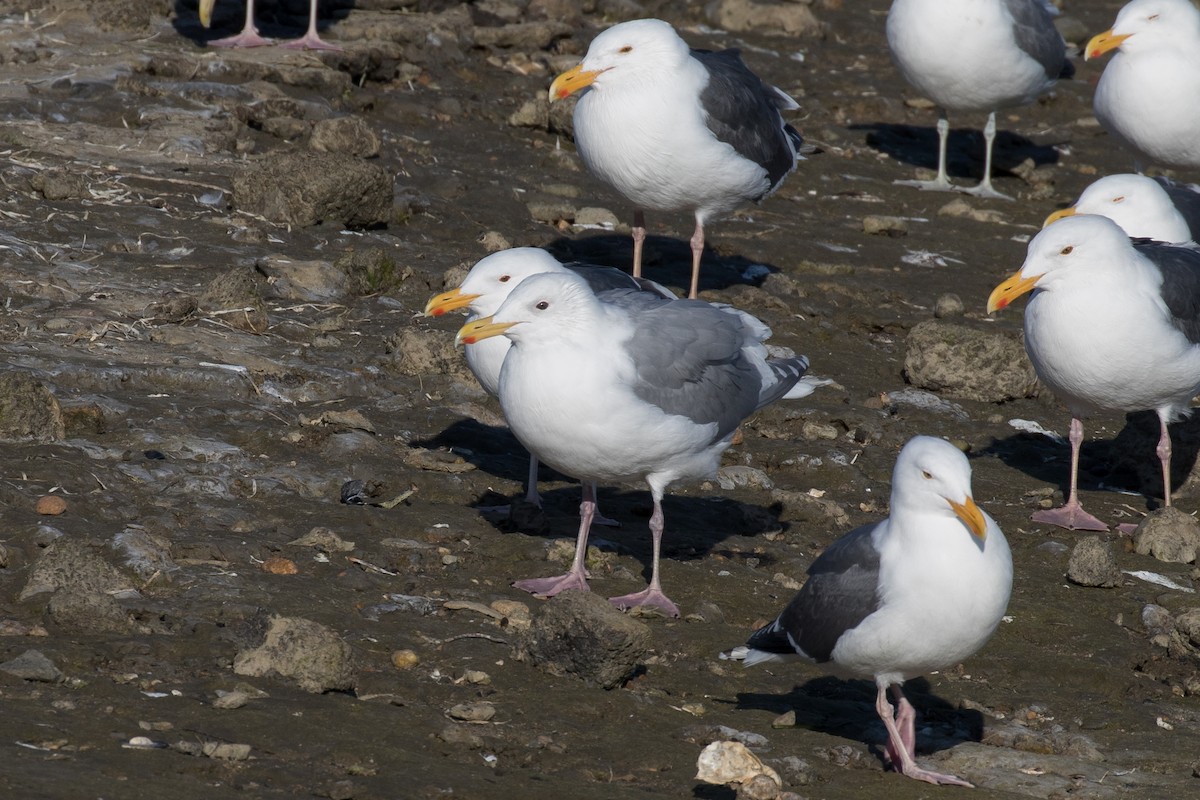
column 1008, row 291
column 572, row 81
column 479, row 330
column 972, row 517
column 1101, row 43
column 1057, row 215
column 206, row 7
column 447, row 301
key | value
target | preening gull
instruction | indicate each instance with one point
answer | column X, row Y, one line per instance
column 629, row 387
column 1112, row 324
column 250, row 37
column 1145, row 208
column 486, row 287
column 1146, row 97
column 672, row 128
column 916, row 592
column 975, row 55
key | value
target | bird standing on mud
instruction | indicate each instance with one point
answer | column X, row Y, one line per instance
column 629, row 387
column 914, row 593
column 975, row 55
column 1114, row 325
column 672, row 128
column 250, row 37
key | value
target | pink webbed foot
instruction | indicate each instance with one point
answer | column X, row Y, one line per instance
column 1070, row 516
column 938, row 778
column 548, row 587
column 247, row 38
column 647, row 597
column 311, row 41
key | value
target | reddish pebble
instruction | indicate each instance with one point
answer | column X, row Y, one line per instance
column 277, row 565
column 50, row 505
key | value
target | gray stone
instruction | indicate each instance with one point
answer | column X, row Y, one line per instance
column 28, row 410
column 32, row 665
column 778, row 19
column 312, row 654
column 1169, row 535
column 1093, row 564
column 306, row 281
column 68, row 563
column 305, row 188
column 581, row 634
column 967, row 363
column 349, row 135
column 74, row 611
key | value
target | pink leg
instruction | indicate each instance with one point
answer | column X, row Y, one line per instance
column 311, row 40
column 906, row 720
column 576, row 578
column 639, row 239
column 1164, row 455
column 600, row 519
column 653, row 594
column 1071, row 515
column 697, row 252
column 896, row 749
column 249, row 37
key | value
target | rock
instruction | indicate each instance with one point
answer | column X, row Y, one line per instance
column 349, row 135
column 1093, row 564
column 50, row 505
column 306, row 281
column 478, row 711
column 322, row 538
column 305, row 188
column 28, row 410
column 405, row 659
column 1169, row 535
column 1188, row 624
column 581, row 634
column 68, row 563
column 948, row 305
column 372, row 270
column 58, row 184
column 958, row 207
column 427, row 352
column 968, row 363
column 516, row 614
column 726, row 763
column 877, row 225
column 777, row 19
column 236, row 296
column 32, row 665
column 75, row 611
column 298, row 648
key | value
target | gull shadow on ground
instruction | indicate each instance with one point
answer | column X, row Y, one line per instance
column 846, row 709
column 281, row 20
column 665, row 259
column 1126, row 462
column 918, row 146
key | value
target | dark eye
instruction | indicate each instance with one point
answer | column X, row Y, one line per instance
column 1152, row 17
column 1120, row 199
column 629, row 48
column 1066, row 251
column 505, row 278
column 926, row 475
column 542, row 306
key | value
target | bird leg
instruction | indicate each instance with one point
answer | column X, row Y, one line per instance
column 1071, row 514
column 898, row 751
column 906, row 720
column 531, row 491
column 576, row 578
column 942, row 182
column 1164, row 456
column 653, row 594
column 311, row 40
column 697, row 252
column 249, row 37
column 639, row 239
column 984, row 189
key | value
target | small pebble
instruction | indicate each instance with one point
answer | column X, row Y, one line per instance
column 479, row 711
column 50, row 505
column 405, row 659
column 278, row 565
column 876, row 224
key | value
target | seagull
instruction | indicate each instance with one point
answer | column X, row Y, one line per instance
column 976, row 55
column 916, row 592
column 1113, row 324
column 485, row 288
column 672, row 128
column 1146, row 208
column 1146, row 97
column 250, row 37
column 627, row 387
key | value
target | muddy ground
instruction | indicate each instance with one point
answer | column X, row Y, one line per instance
column 195, row 367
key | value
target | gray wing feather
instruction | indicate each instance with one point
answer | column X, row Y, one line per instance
column 1186, row 199
column 1034, row 30
column 744, row 112
column 841, row 591
column 695, row 360
column 1180, row 267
